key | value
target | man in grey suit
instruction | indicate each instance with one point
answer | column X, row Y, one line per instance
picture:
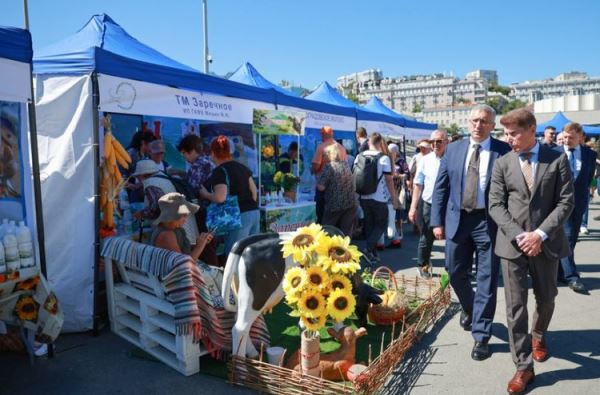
column 531, row 198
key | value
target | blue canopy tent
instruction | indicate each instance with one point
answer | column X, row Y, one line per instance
column 102, row 68
column 413, row 126
column 560, row 120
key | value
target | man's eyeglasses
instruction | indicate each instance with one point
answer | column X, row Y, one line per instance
column 440, row 142
column 481, row 121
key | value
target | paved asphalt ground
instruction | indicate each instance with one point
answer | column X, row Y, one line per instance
column 440, row 363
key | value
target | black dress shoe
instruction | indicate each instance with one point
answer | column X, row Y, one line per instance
column 480, row 351
column 577, row 286
column 465, row 320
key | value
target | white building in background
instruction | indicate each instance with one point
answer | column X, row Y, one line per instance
column 446, row 116
column 418, row 92
column 584, row 109
column 567, row 84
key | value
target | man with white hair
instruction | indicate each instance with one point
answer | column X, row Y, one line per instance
column 459, row 213
column 423, row 185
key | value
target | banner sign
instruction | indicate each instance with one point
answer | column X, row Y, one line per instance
column 273, row 122
column 288, row 219
column 15, row 81
column 383, row 128
column 417, row 134
column 316, row 120
column 120, row 95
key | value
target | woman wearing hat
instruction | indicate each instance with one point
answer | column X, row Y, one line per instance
column 157, row 184
column 168, row 227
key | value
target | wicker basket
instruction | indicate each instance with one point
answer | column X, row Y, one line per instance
column 390, row 311
column 393, row 310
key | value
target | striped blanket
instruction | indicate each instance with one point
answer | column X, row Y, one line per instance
column 193, row 289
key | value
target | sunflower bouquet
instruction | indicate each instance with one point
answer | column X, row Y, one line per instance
column 320, row 286
column 287, row 181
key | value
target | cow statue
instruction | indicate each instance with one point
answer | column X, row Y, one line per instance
column 255, row 267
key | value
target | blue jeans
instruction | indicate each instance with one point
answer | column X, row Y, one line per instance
column 250, row 226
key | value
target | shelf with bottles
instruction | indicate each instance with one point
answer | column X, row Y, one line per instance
column 16, row 248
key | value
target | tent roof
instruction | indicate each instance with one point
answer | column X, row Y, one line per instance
column 558, row 121
column 374, row 104
column 325, row 93
column 15, row 44
column 105, row 47
column 247, row 74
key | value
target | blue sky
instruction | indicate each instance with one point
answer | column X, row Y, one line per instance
column 310, row 41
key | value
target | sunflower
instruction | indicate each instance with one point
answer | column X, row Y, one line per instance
column 303, row 243
column 339, row 281
column 268, row 151
column 314, row 324
column 338, row 255
column 27, row 308
column 340, row 304
column 294, row 280
column 28, row 285
column 317, row 278
column 312, row 303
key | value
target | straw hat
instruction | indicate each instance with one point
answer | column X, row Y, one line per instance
column 172, row 206
column 424, row 144
column 145, row 166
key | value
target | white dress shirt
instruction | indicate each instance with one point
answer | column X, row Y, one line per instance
column 426, row 175
column 484, row 160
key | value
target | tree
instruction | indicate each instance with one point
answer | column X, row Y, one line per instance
column 453, row 129
column 353, row 97
column 505, row 90
column 496, row 104
column 513, row 105
column 417, row 108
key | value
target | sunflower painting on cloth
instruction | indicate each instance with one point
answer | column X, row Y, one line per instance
column 28, row 285
column 26, row 308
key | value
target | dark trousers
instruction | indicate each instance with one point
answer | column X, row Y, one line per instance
column 567, row 271
column 374, row 222
column 319, row 205
column 426, row 239
column 342, row 219
column 473, row 236
column 543, row 274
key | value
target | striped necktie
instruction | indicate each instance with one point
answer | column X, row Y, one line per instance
column 527, row 169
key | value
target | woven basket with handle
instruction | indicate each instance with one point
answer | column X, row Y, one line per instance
column 394, row 306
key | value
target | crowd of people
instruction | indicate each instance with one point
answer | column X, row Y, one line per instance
column 513, row 205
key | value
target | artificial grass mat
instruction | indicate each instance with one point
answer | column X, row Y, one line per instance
column 285, row 333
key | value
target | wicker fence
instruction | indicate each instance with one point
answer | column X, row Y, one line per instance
column 272, row 379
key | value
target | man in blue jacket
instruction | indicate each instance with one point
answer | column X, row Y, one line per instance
column 582, row 162
column 459, row 213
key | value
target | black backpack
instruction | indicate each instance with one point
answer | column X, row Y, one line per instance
column 181, row 186
column 365, row 173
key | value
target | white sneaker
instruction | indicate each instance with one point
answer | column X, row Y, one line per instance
column 584, row 231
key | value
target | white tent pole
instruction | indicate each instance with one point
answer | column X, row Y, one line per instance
column 26, row 14
column 205, row 25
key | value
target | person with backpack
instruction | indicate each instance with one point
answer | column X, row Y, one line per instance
column 374, row 184
column 157, row 184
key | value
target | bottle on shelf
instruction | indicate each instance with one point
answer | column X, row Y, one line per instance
column 25, row 245
column 3, row 227
column 11, row 252
column 2, row 260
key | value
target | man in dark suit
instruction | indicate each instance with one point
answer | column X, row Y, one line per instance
column 550, row 136
column 459, row 212
column 531, row 197
column 582, row 162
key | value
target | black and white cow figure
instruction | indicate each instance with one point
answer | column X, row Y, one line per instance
column 256, row 267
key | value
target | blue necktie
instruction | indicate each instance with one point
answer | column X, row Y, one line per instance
column 573, row 162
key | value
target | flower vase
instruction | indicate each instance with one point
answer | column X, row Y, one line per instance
column 290, row 195
column 310, row 353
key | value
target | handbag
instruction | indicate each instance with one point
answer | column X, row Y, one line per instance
column 222, row 218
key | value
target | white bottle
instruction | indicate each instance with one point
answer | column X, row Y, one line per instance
column 3, row 227
column 10, row 229
column 25, row 245
column 2, row 260
column 11, row 253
